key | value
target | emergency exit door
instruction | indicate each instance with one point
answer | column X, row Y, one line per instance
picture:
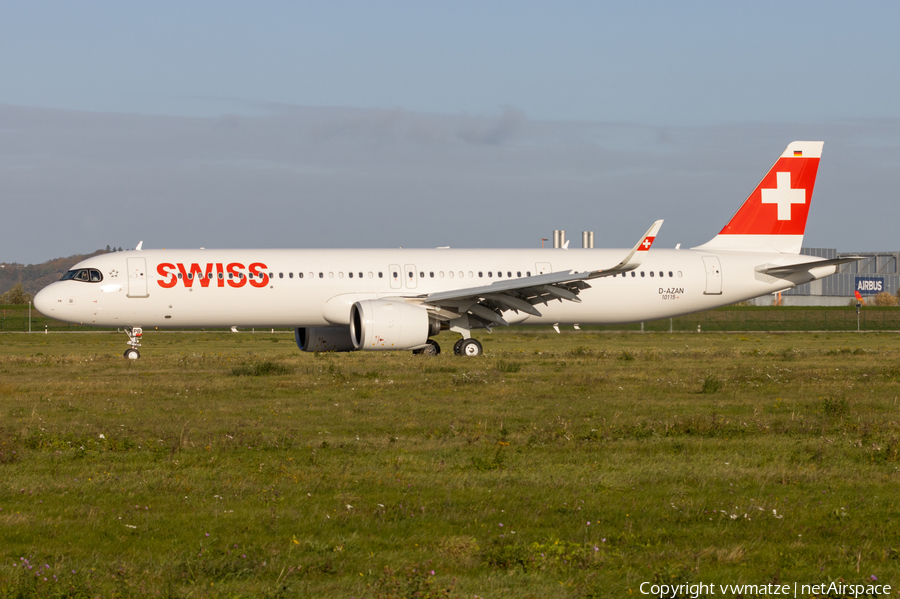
column 411, row 276
column 713, row 275
column 137, row 277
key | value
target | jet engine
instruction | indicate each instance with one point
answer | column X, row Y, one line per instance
column 386, row 325
column 323, row 339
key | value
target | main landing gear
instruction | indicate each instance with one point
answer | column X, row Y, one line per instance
column 463, row 347
column 432, row 349
column 468, row 347
column 134, row 340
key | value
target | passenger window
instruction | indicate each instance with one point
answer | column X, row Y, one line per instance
column 271, row 275
column 290, row 275
column 431, row 274
column 518, row 273
column 395, row 274
column 461, row 274
column 221, row 275
column 331, row 275
column 527, row 273
column 499, row 274
column 660, row 273
column 651, row 273
column 299, row 275
column 642, row 273
column 179, row 275
column 281, row 275
column 350, row 274
column 670, row 274
column 470, row 274
column 379, row 274
column 321, row 275
column 633, row 274
column 480, row 274
column 421, row 275
column 509, row 274
column 489, row 274
column 441, row 274
column 370, row 274
column 191, row 275
column 230, row 275
column 340, row 275
column 679, row 274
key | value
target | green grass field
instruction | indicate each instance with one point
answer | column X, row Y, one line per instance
column 573, row 465
column 729, row 318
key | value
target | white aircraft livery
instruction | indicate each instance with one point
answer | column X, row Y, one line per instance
column 397, row 299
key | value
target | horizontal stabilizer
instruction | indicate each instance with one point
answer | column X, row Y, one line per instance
column 790, row 269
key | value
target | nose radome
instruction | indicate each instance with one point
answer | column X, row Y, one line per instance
column 43, row 301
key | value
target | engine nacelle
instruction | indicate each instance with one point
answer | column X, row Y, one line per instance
column 386, row 325
column 323, row 338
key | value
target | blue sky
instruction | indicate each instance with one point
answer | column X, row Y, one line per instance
column 491, row 123
column 659, row 63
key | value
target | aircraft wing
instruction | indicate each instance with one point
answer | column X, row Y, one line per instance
column 487, row 303
column 790, row 269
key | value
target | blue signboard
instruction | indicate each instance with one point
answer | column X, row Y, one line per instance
column 869, row 285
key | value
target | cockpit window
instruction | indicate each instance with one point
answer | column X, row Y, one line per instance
column 88, row 275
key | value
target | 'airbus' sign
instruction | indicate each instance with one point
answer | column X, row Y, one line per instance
column 869, row 285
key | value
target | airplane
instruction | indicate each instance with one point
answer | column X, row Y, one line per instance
column 397, row 299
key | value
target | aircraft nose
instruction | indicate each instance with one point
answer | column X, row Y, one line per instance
column 43, row 301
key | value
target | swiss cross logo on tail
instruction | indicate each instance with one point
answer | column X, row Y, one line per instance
column 783, row 195
column 779, row 205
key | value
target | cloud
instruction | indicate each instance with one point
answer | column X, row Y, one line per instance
column 493, row 131
column 340, row 177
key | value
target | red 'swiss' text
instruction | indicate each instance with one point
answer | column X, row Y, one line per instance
column 212, row 274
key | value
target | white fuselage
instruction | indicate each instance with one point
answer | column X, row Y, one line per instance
column 132, row 292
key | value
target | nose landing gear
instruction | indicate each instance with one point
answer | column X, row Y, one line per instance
column 134, row 340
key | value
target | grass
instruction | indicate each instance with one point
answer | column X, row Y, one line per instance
column 14, row 318
column 573, row 465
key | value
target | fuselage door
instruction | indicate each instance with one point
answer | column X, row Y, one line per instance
column 137, row 277
column 713, row 275
column 543, row 268
column 396, row 274
column 410, row 275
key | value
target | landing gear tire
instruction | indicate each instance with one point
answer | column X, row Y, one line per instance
column 456, row 347
column 132, row 354
column 470, row 348
column 432, row 349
